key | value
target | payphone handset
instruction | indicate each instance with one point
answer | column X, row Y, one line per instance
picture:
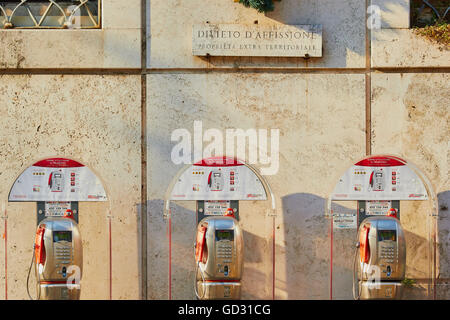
column 39, row 247
column 382, row 245
column 364, row 249
column 376, row 180
column 57, row 251
column 216, row 180
column 218, row 251
column 200, row 245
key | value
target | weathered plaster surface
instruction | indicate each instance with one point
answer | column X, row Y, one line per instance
column 170, row 36
column 117, row 45
column 394, row 14
column 95, row 119
column 317, row 135
column 401, row 48
column 410, row 118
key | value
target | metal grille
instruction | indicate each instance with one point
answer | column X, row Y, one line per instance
column 41, row 14
column 429, row 12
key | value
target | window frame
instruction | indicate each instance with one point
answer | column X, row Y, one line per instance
column 7, row 24
column 426, row 4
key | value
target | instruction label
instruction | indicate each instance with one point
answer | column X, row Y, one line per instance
column 216, row 208
column 378, row 208
column 56, row 208
column 344, row 220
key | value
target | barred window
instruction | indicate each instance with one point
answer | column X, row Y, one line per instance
column 429, row 12
column 37, row 14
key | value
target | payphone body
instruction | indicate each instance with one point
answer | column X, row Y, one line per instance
column 219, row 255
column 217, row 184
column 382, row 258
column 58, row 253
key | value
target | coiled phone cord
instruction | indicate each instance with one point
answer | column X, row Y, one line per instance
column 357, row 295
column 203, row 281
column 28, row 279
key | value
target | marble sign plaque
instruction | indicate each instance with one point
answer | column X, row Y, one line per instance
column 257, row 40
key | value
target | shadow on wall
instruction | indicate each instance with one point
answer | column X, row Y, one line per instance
column 255, row 280
column 183, row 266
column 444, row 245
column 305, row 253
column 303, row 261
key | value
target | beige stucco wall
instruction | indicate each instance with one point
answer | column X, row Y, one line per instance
column 320, row 111
column 396, row 45
column 404, row 48
column 90, row 119
column 170, row 32
column 410, row 117
column 316, row 136
column 117, row 45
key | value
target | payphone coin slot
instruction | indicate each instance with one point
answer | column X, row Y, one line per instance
column 389, row 271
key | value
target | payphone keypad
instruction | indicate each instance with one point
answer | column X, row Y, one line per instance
column 388, row 255
column 224, row 254
column 64, row 257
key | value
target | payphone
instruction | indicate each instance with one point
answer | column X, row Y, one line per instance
column 382, row 259
column 217, row 184
column 57, row 185
column 378, row 184
column 219, row 256
column 57, row 249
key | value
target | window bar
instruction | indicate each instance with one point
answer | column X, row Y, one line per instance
column 45, row 14
column 30, row 14
column 90, row 14
column 66, row 15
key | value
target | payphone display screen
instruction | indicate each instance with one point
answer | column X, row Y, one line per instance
column 62, row 236
column 224, row 235
column 387, row 235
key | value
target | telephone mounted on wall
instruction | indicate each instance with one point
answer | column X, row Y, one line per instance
column 58, row 255
column 219, row 257
column 201, row 250
column 382, row 258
